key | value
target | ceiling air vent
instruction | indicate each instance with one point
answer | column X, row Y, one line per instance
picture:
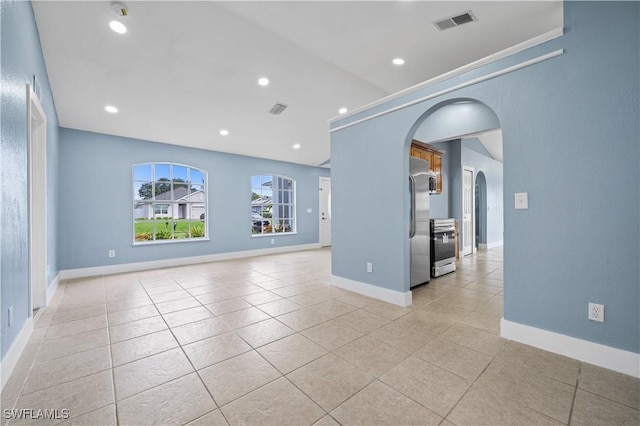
column 454, row 21
column 277, row 109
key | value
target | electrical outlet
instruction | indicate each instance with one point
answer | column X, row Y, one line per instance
column 112, row 253
column 10, row 316
column 273, row 241
column 369, row 267
column 596, row 312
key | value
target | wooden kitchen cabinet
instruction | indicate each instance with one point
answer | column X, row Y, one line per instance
column 433, row 155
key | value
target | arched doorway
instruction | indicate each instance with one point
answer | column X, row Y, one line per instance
column 446, row 125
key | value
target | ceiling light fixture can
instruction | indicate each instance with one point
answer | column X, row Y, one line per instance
column 398, row 61
column 118, row 27
column 296, row 146
column 111, row 109
column 224, row 132
column 263, row 81
column 342, row 110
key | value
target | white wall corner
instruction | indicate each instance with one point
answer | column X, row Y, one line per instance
column 386, row 295
column 593, row 353
column 52, row 287
column 10, row 360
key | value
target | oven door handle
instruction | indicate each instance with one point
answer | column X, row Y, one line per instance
column 412, row 207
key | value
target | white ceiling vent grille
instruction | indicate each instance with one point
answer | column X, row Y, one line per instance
column 277, row 109
column 454, row 21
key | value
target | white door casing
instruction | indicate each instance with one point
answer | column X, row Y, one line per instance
column 325, row 211
column 468, row 232
column 37, row 175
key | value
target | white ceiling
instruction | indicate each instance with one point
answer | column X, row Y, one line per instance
column 186, row 70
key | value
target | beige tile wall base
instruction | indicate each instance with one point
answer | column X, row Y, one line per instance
column 8, row 363
column 180, row 261
column 593, row 353
column 384, row 294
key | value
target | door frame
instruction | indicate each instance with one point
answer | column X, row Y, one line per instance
column 37, row 188
column 320, row 195
column 473, row 208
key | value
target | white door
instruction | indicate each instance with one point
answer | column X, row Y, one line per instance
column 37, row 146
column 467, row 211
column 325, row 211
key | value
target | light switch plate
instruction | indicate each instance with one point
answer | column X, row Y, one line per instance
column 522, row 200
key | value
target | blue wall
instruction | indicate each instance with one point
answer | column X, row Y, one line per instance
column 97, row 197
column 21, row 60
column 571, row 140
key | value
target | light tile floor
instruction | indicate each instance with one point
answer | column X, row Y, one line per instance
column 265, row 341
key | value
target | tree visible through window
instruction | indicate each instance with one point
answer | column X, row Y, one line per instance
column 272, row 204
column 169, row 202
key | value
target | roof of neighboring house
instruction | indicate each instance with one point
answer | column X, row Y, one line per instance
column 176, row 194
column 261, row 201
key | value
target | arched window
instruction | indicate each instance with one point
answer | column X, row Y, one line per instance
column 273, row 207
column 169, row 203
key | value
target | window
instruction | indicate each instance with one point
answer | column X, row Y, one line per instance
column 273, row 208
column 169, row 202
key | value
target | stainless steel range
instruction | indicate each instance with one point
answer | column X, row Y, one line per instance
column 443, row 254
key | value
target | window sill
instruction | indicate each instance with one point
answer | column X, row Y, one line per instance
column 273, row 234
column 161, row 242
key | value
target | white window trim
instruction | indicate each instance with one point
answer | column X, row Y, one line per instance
column 293, row 204
column 153, row 202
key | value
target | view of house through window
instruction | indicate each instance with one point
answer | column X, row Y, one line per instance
column 169, row 202
column 272, row 204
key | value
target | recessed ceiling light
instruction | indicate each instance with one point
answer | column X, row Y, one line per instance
column 398, row 61
column 224, row 132
column 342, row 110
column 263, row 81
column 111, row 109
column 296, row 146
column 118, row 27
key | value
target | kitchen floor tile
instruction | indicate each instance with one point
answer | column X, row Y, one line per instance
column 431, row 386
column 50, row 373
column 302, row 319
column 332, row 335
column 378, row 404
column 329, row 380
column 371, row 355
column 199, row 330
column 183, row 400
column 480, row 406
column 590, row 409
column 149, row 372
column 278, row 403
column 215, row 349
column 237, row 376
column 291, row 352
column 142, row 347
column 263, row 332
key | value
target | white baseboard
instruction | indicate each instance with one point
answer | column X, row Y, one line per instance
column 593, row 353
column 10, row 360
column 180, row 261
column 52, row 287
column 482, row 246
column 384, row 294
column 494, row 245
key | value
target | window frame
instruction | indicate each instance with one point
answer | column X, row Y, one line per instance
column 292, row 205
column 152, row 204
